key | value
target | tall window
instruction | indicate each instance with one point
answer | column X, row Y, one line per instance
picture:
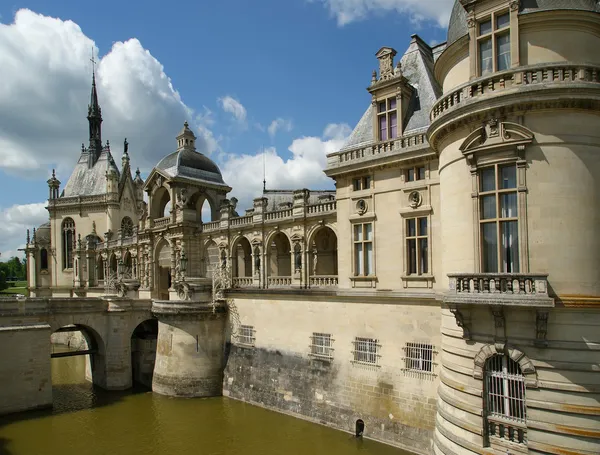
column 43, row 259
column 493, row 42
column 498, row 219
column 505, row 406
column 363, row 249
column 417, row 246
column 68, row 242
column 126, row 226
column 387, row 119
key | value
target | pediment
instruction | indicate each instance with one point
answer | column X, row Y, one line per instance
column 494, row 134
column 384, row 51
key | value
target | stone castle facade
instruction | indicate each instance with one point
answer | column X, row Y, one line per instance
column 447, row 293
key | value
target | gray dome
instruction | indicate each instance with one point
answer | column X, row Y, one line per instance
column 191, row 164
column 457, row 27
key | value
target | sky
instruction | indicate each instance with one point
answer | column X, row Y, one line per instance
column 281, row 78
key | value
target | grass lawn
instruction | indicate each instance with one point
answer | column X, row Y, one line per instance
column 16, row 287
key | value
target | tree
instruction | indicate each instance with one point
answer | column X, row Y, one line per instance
column 3, row 284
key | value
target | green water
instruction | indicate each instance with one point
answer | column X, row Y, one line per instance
column 87, row 421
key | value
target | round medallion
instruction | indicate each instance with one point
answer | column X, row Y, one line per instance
column 361, row 206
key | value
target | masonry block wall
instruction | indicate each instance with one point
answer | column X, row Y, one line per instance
column 277, row 370
column 25, row 368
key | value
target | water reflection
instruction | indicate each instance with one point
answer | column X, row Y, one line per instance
column 88, row 420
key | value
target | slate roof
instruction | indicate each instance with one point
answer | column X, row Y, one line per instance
column 417, row 66
column 87, row 182
column 191, row 164
column 457, row 27
column 277, row 197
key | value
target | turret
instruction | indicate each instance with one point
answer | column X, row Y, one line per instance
column 186, row 138
column 53, row 186
column 139, row 185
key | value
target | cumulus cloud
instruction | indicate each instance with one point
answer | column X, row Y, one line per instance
column 235, row 108
column 279, row 124
column 304, row 169
column 347, row 11
column 15, row 222
column 46, row 78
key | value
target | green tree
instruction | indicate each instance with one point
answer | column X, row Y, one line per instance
column 3, row 284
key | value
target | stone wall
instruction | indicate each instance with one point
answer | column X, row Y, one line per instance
column 397, row 405
column 25, row 368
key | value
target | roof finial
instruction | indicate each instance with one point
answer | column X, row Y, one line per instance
column 125, row 147
column 93, row 66
column 53, row 174
column 28, row 238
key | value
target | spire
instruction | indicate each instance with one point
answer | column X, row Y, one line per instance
column 95, row 120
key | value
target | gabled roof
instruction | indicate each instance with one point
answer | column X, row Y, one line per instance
column 417, row 67
column 87, row 182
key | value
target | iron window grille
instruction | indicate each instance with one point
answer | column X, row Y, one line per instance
column 321, row 346
column 419, row 357
column 505, row 401
column 245, row 335
column 366, row 351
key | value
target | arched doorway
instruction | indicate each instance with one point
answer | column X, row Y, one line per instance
column 242, row 262
column 279, row 267
column 210, row 258
column 77, row 340
column 143, row 352
column 322, row 258
column 162, row 275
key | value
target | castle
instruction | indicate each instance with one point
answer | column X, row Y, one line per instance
column 446, row 294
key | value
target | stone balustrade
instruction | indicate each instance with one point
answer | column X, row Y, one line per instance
column 211, row 226
column 242, row 281
column 241, row 221
column 542, row 75
column 324, row 207
column 162, row 222
column 400, row 144
column 279, row 281
column 499, row 288
column 505, row 433
column 323, row 281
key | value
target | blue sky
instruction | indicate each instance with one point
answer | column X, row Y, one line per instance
column 304, row 62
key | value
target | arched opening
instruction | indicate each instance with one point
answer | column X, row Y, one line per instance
column 44, row 259
column 113, row 265
column 504, row 401
column 68, row 242
column 78, row 358
column 323, row 260
column 100, row 269
column 163, row 270
column 126, row 227
column 127, row 269
column 242, row 260
column 279, row 260
column 160, row 204
column 210, row 258
column 359, row 428
column 205, row 211
column 143, row 352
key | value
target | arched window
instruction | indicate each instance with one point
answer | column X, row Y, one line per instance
column 505, row 408
column 127, row 226
column 68, row 242
column 43, row 259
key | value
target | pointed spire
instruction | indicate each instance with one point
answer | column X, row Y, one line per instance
column 94, row 120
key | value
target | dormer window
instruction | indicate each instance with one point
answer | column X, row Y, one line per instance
column 387, row 119
column 493, row 42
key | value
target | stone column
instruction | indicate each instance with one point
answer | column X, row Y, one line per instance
column 189, row 352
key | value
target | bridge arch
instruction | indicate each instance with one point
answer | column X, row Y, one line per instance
column 80, row 339
column 144, row 338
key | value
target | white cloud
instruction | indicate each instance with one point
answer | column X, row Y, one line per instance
column 279, row 124
column 15, row 222
column 235, row 108
column 303, row 170
column 347, row 11
column 46, row 77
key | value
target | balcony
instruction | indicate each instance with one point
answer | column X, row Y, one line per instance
column 512, row 289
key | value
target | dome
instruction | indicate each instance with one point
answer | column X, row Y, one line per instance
column 191, row 164
column 457, row 27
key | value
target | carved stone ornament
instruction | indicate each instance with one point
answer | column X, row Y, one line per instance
column 361, row 206
column 514, row 5
column 182, row 198
column 541, row 328
column 415, row 199
column 184, row 292
column 158, row 182
column 461, row 322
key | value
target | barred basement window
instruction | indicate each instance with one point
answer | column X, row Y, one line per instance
column 366, row 350
column 245, row 335
column 505, row 407
column 418, row 357
column 321, row 345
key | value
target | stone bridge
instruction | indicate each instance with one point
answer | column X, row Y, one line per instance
column 189, row 350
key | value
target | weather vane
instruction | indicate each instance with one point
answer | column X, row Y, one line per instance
column 93, row 61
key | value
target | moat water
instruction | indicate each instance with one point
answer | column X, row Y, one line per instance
column 88, row 420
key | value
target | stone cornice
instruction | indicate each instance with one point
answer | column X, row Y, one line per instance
column 450, row 57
